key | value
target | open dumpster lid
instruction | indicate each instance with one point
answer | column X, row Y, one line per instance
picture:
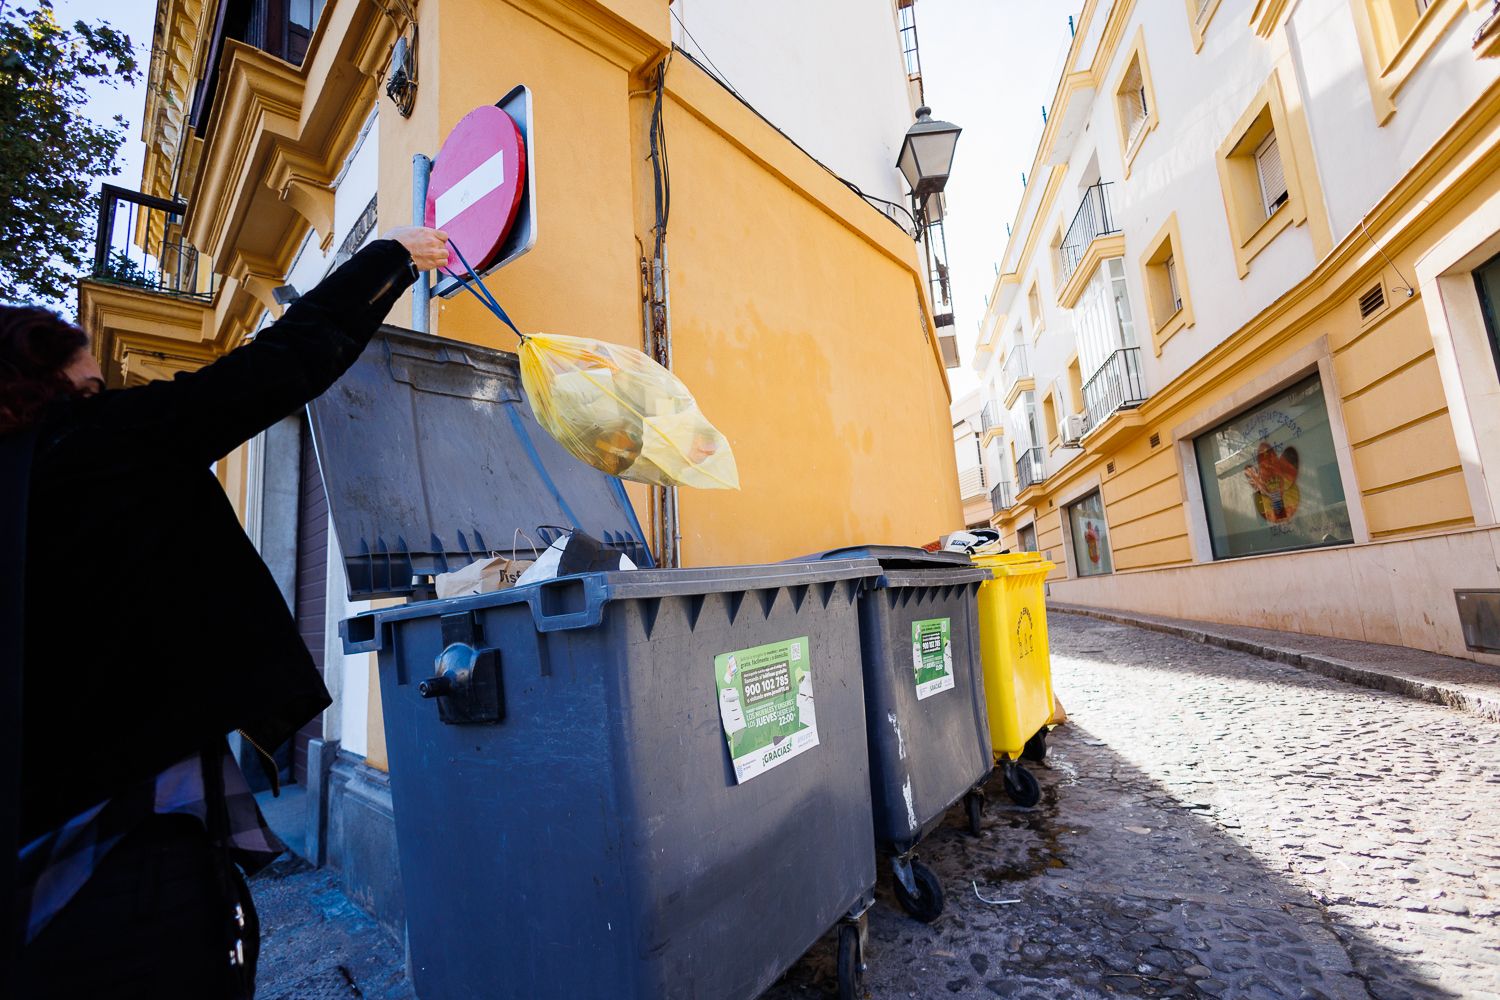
column 896, row 556
column 432, row 459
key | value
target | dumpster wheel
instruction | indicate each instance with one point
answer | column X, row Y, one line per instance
column 974, row 808
column 1021, row 785
column 926, row 904
column 851, row 964
column 1036, row 747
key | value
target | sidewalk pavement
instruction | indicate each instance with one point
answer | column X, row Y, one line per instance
column 1443, row 680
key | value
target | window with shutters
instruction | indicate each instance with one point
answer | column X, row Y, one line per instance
column 1200, row 13
column 1163, row 266
column 1396, row 37
column 1271, row 176
column 1135, row 101
column 1258, row 171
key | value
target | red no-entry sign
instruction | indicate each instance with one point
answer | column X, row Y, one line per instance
column 476, row 185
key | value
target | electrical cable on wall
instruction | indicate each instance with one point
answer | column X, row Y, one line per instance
column 1407, row 287
column 661, row 177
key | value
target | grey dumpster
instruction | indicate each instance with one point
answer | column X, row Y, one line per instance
column 925, row 711
column 637, row 784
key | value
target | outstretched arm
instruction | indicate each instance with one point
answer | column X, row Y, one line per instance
column 201, row 416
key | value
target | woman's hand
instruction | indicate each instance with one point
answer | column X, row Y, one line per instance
column 428, row 247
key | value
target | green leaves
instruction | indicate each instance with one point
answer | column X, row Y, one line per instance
column 50, row 152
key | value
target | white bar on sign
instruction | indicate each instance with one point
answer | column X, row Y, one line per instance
column 476, row 184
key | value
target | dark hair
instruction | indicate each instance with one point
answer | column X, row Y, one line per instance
column 35, row 346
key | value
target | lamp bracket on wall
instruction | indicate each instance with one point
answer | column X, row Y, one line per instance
column 401, row 84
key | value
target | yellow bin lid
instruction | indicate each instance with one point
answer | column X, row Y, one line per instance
column 1014, row 563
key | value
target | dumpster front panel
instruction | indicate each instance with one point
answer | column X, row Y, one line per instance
column 513, row 831
column 929, row 735
column 744, row 876
column 596, row 839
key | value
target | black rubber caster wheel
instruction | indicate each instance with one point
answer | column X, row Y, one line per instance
column 851, row 971
column 927, row 904
column 1036, row 747
column 974, row 807
column 1022, row 786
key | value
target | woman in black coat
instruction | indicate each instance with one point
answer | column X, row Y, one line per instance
column 150, row 629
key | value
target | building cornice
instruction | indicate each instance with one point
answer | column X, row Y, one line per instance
column 631, row 34
column 259, row 102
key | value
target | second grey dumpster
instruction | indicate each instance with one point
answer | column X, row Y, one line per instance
column 572, row 820
column 924, row 703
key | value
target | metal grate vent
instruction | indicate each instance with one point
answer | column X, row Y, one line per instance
column 1155, row 440
column 1372, row 302
column 1109, row 467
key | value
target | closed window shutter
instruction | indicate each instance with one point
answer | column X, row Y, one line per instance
column 1268, row 166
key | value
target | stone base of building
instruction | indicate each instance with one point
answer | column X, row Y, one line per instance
column 1399, row 592
column 361, row 840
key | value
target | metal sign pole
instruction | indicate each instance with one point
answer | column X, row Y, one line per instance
column 421, row 293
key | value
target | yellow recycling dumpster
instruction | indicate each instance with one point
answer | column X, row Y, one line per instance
column 1017, row 665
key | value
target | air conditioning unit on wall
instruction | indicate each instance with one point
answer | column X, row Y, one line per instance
column 1072, row 429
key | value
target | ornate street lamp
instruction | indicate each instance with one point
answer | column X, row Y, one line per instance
column 926, row 158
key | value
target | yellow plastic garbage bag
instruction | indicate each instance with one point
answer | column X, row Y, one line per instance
column 617, row 410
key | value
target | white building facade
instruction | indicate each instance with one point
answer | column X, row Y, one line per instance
column 1240, row 356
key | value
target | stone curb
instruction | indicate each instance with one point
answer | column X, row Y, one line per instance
column 1484, row 705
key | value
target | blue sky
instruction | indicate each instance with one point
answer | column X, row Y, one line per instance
column 134, row 17
column 988, row 65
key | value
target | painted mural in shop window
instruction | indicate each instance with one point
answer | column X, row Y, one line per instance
column 1271, row 479
column 1090, row 537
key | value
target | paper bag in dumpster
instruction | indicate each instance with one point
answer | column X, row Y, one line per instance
column 480, row 577
column 617, row 410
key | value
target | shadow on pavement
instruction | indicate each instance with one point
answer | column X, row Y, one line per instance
column 1119, row 888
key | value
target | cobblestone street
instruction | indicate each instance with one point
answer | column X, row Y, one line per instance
column 1214, row 825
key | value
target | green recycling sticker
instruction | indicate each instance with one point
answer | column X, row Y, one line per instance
column 932, row 656
column 766, row 705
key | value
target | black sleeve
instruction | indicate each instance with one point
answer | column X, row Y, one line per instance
column 201, row 416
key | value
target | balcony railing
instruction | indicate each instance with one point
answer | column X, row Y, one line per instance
column 1092, row 220
column 991, row 417
column 1002, row 497
column 1017, row 366
column 1029, row 468
column 139, row 242
column 1117, row 385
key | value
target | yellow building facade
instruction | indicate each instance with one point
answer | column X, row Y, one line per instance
column 1241, row 357
column 798, row 311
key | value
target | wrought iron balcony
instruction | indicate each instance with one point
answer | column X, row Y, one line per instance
column 1002, row 497
column 1030, row 469
column 992, row 417
column 1092, row 220
column 1117, row 385
column 143, row 246
column 1017, row 366
column 970, row 482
